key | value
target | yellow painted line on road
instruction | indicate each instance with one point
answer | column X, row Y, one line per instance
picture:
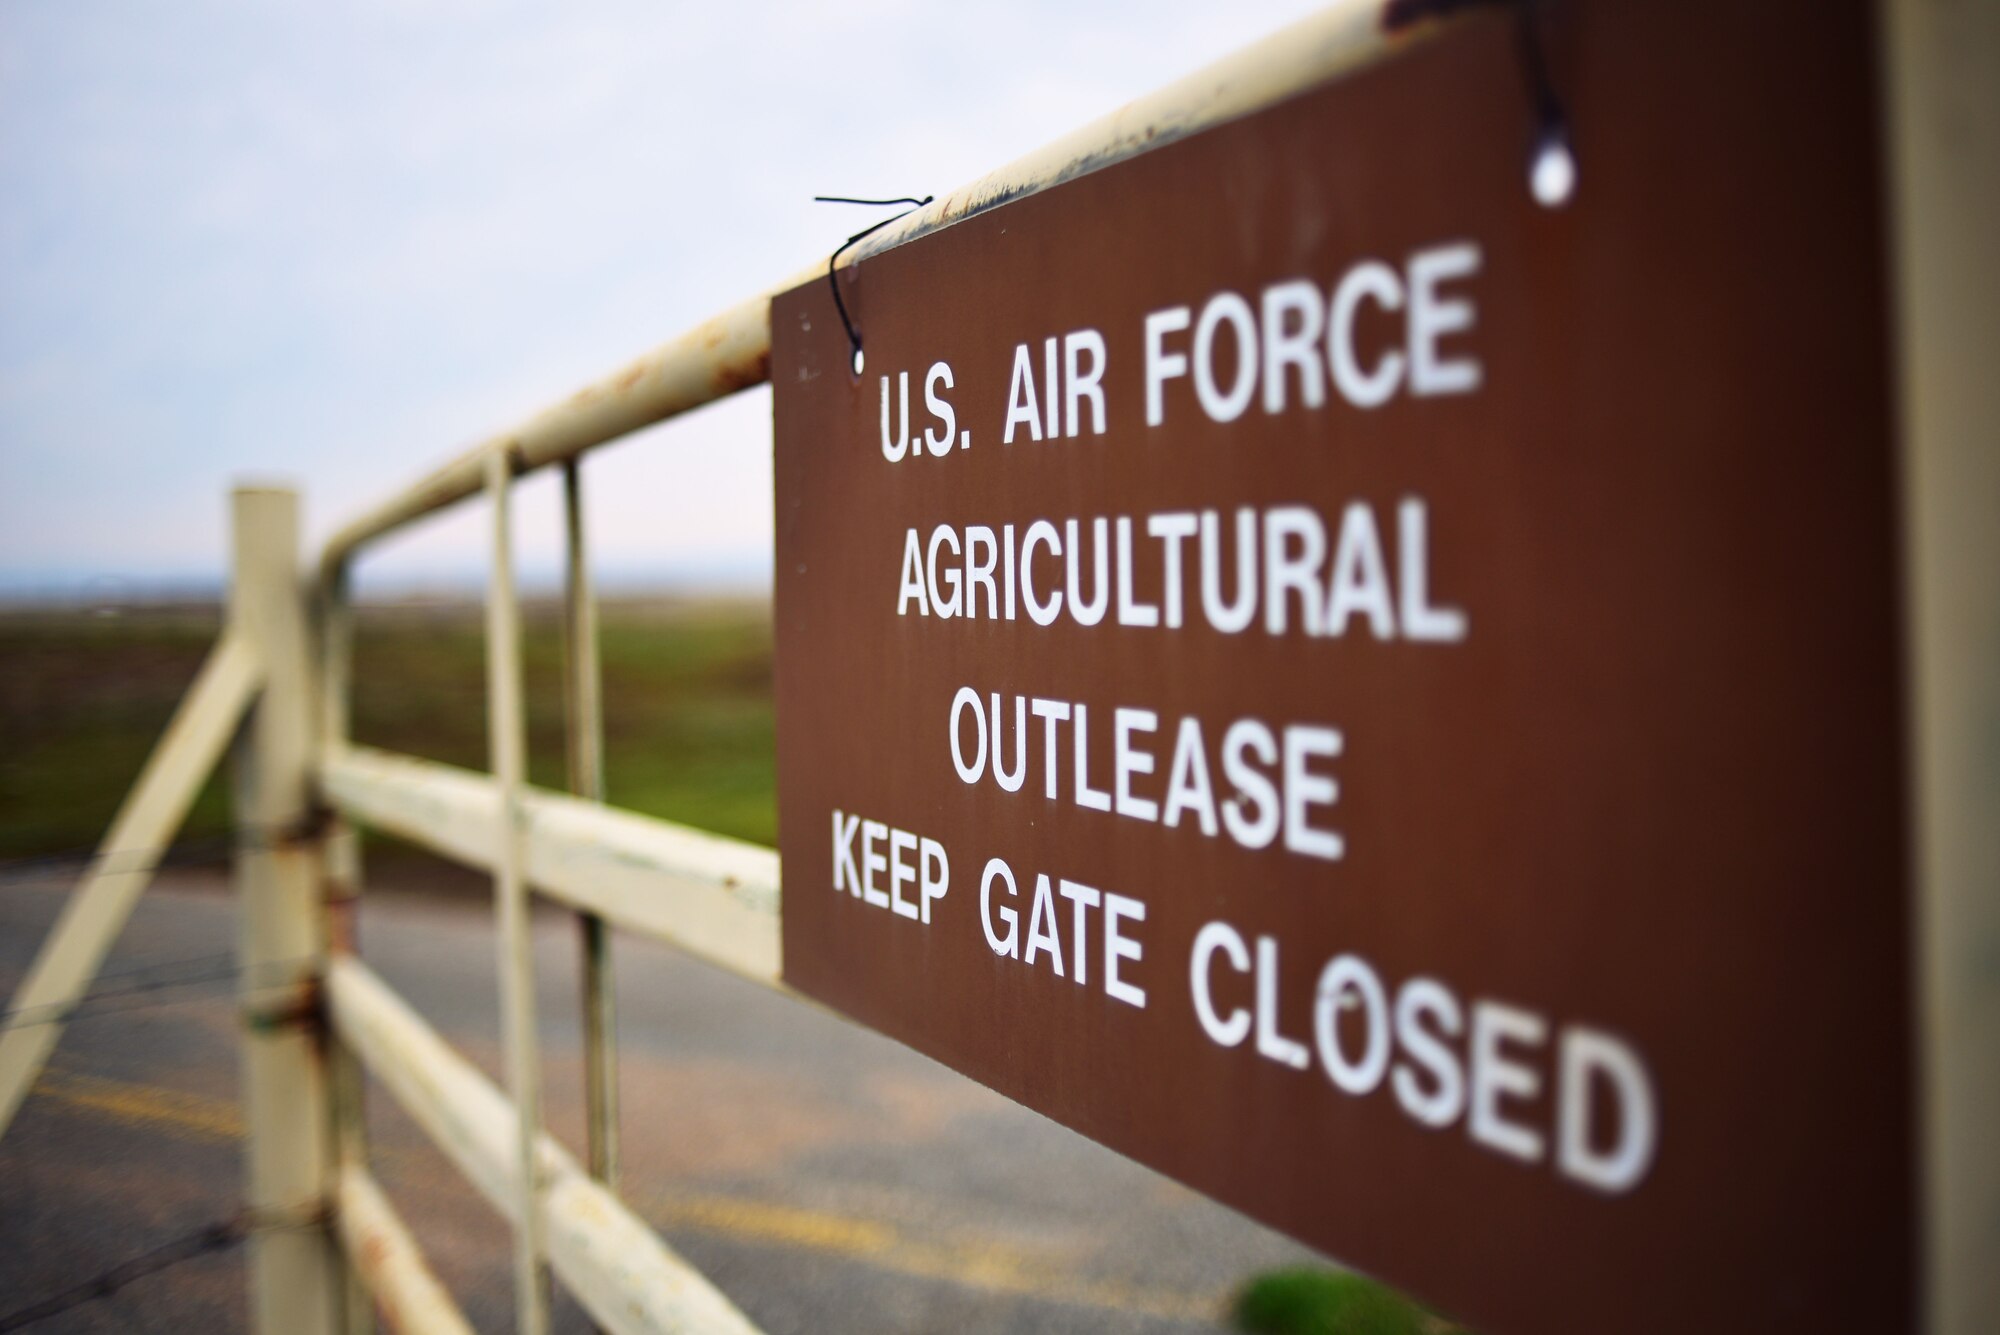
column 982, row 1265
column 194, row 1116
column 973, row 1264
column 760, row 1221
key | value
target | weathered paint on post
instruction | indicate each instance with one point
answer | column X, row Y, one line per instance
column 296, row 1285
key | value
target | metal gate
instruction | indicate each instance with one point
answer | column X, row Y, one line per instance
column 328, row 1251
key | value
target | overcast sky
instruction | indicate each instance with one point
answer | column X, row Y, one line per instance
column 334, row 243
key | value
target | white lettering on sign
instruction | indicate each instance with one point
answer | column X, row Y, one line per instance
column 1290, row 344
column 1295, row 328
column 1277, row 779
column 1604, row 1113
column 940, row 435
column 879, row 864
column 1309, row 578
column 1381, row 330
column 1055, row 408
column 1042, row 936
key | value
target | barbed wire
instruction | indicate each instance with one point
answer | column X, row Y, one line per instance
column 216, row 1236
column 215, row 966
column 87, row 1007
column 133, row 989
column 64, row 864
column 70, row 863
column 177, row 962
column 213, row 1237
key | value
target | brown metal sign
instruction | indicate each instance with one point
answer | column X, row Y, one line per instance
column 1379, row 698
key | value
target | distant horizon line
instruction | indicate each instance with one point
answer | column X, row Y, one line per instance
column 86, row 588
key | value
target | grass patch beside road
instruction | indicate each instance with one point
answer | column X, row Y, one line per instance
column 687, row 706
column 1308, row 1300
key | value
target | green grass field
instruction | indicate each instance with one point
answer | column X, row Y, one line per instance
column 687, row 703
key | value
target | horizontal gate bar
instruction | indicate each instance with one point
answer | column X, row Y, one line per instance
column 733, row 350
column 392, row 1268
column 126, row 859
column 712, row 896
column 618, row 1268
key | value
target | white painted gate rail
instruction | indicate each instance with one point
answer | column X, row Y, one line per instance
column 303, row 787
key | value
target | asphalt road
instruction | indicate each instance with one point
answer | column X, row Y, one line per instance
column 826, row 1178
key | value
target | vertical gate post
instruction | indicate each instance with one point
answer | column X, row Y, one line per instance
column 295, row 1281
column 507, row 728
column 1943, row 132
column 584, row 717
column 341, row 895
column 1943, row 68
